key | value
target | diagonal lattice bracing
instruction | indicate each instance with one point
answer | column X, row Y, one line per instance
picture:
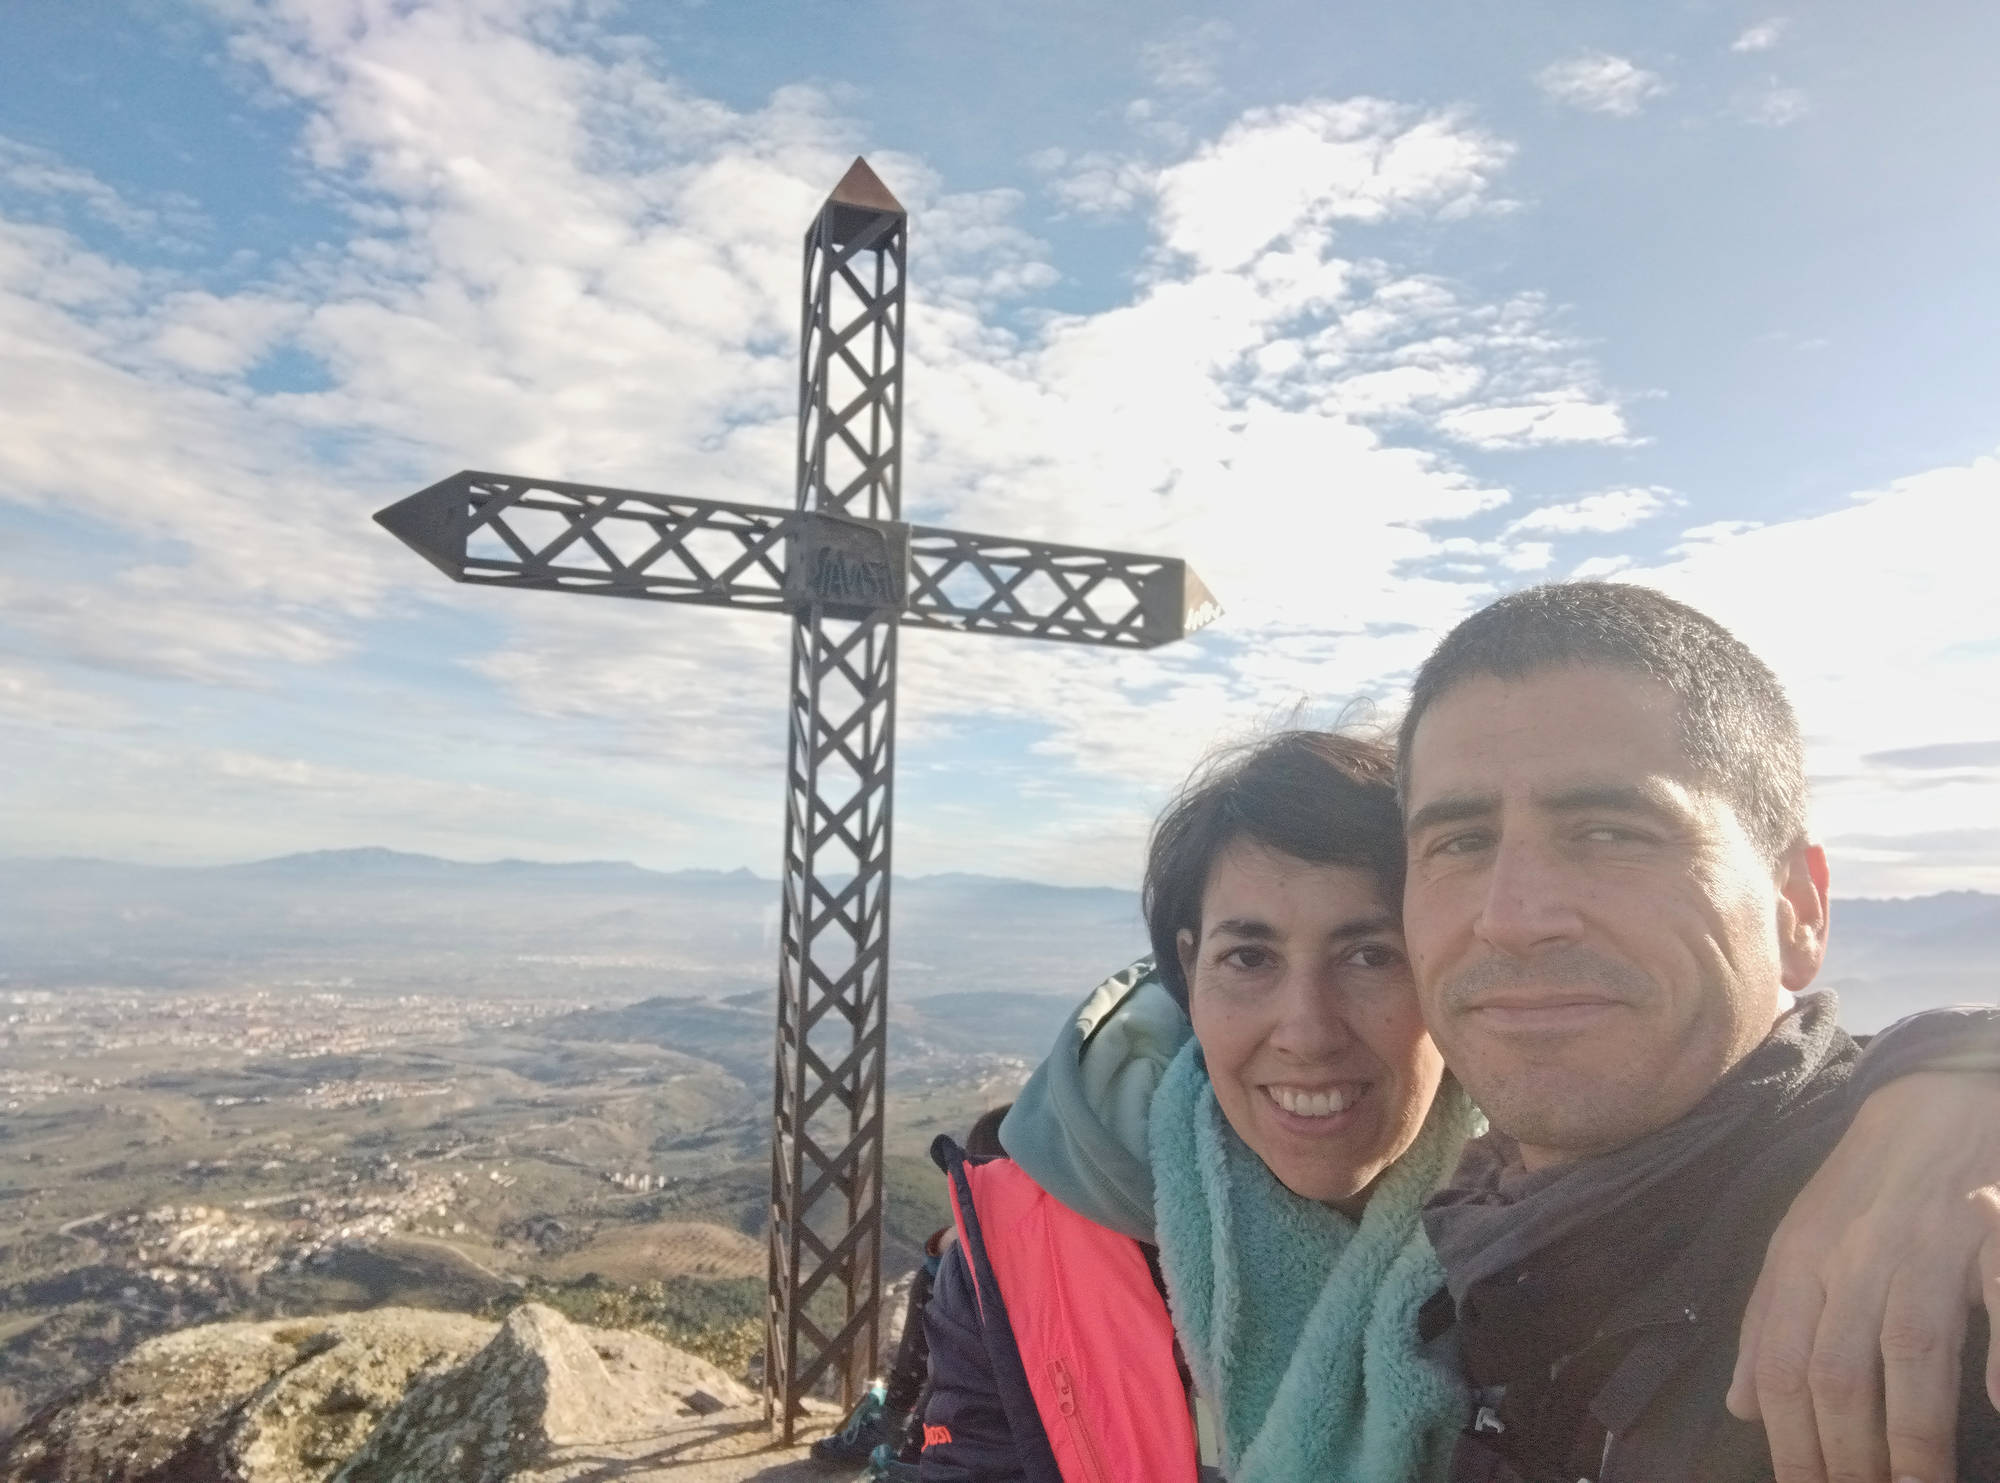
column 826, row 1184
column 850, row 574
column 826, row 1225
column 500, row 530
column 505, row 531
column 1037, row 589
column 851, row 355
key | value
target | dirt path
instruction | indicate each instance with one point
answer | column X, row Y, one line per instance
column 728, row 1447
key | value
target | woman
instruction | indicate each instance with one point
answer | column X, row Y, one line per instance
column 1287, row 1147
column 1266, row 1173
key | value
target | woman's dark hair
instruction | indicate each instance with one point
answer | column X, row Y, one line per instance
column 1325, row 797
column 984, row 1139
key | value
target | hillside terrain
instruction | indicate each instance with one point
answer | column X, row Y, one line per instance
column 605, row 932
column 334, row 1082
column 402, row 1395
column 169, row 1159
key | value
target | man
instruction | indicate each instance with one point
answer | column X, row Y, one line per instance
column 1612, row 902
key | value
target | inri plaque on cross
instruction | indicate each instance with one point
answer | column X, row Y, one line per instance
column 851, row 574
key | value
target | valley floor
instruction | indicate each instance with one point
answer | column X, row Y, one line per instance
column 177, row 1159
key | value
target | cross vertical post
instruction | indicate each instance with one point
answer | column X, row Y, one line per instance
column 849, row 573
column 832, row 1023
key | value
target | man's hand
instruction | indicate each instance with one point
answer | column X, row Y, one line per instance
column 1851, row 1343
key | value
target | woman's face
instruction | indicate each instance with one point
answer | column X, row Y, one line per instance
column 1302, row 1000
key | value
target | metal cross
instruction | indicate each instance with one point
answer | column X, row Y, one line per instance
column 850, row 573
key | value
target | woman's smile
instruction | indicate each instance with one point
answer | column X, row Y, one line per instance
column 1301, row 996
column 1316, row 1106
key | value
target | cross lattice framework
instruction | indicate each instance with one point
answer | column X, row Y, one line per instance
column 502, row 530
column 851, row 574
column 833, row 944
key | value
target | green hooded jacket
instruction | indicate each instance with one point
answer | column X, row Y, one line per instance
column 1078, row 1127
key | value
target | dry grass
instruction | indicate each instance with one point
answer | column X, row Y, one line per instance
column 668, row 1249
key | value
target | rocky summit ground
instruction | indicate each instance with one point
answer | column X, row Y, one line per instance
column 404, row 1395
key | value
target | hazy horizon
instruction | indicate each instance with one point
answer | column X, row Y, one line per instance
column 740, row 871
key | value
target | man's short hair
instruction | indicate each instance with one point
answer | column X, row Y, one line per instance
column 1737, row 727
column 1325, row 797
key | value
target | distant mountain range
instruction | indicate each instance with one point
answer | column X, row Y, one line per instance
column 600, row 930
column 609, row 931
column 1887, row 956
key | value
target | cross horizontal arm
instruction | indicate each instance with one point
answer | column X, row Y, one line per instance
column 1037, row 589
column 503, row 530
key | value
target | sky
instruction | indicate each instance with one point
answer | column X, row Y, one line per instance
column 1372, row 313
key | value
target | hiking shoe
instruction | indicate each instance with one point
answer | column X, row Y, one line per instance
column 868, row 1426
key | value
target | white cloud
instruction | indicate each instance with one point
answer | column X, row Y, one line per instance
column 1601, row 83
column 1162, row 126
column 1280, row 172
column 1762, row 36
column 1774, row 105
column 1554, row 418
column 198, row 622
column 1882, row 618
column 31, row 171
column 1403, row 388
column 169, row 801
column 1185, row 61
column 650, row 671
column 1715, row 532
column 560, row 261
column 1095, row 182
column 1604, row 513
column 31, row 697
column 214, row 336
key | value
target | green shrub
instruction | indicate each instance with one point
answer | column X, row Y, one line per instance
column 719, row 1319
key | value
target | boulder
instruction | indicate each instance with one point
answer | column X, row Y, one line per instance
column 402, row 1395
column 307, row 1421
column 280, row 1402
column 542, row 1383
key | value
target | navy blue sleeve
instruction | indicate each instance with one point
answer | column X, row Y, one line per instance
column 966, row 1435
column 1978, row 1422
column 1964, row 1038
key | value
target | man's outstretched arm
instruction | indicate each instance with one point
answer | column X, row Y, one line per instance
column 1850, row 1349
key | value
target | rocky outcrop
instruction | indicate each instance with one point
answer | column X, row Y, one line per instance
column 397, row 1395
column 308, row 1420
column 282, row 1402
column 542, row 1383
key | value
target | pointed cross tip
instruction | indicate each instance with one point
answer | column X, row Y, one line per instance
column 862, row 187
column 427, row 522
column 1201, row 607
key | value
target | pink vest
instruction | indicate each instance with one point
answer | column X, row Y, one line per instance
column 1095, row 1338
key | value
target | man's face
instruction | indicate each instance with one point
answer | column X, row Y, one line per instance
column 1596, row 939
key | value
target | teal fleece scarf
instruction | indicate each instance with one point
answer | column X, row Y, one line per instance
column 1300, row 1325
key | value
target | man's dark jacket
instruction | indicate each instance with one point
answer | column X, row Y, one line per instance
column 1598, row 1307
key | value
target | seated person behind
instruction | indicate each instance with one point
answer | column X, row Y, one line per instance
column 885, row 1427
